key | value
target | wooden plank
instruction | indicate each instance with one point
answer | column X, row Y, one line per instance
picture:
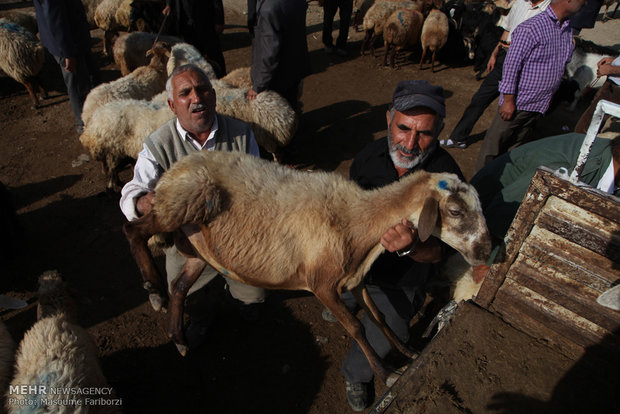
column 521, row 225
column 574, row 261
column 554, row 287
column 577, row 231
column 570, row 326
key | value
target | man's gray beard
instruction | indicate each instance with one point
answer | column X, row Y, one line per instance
column 397, row 160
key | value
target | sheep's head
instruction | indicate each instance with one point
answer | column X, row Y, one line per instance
column 160, row 53
column 452, row 212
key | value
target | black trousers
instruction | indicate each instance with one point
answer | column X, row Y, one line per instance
column 329, row 11
column 485, row 95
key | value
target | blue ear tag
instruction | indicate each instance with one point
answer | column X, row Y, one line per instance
column 443, row 184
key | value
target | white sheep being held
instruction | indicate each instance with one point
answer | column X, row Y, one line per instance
column 274, row 227
column 56, row 353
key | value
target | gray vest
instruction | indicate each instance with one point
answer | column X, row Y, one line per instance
column 168, row 147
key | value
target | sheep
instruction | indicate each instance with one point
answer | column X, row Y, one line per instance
column 402, row 30
column 377, row 15
column 22, row 57
column 26, row 20
column 274, row 227
column 90, row 6
column 7, row 351
column 129, row 49
column 434, row 34
column 238, row 78
column 105, row 19
column 57, row 353
column 117, row 130
column 143, row 83
column 185, row 54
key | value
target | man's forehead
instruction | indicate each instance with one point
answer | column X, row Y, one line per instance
column 190, row 78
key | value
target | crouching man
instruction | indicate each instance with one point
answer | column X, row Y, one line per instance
column 396, row 280
column 196, row 127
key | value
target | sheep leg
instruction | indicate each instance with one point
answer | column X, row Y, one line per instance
column 373, row 39
column 178, row 292
column 393, row 57
column 376, row 316
column 332, row 301
column 30, row 88
column 365, row 42
column 137, row 233
column 433, row 61
column 422, row 58
column 385, row 55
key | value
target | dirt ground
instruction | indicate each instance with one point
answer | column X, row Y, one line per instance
column 288, row 361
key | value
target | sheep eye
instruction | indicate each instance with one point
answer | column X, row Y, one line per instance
column 455, row 213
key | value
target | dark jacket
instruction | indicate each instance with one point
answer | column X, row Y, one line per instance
column 63, row 27
column 373, row 168
column 200, row 15
column 279, row 50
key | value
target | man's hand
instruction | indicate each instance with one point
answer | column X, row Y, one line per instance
column 605, row 61
column 399, row 237
column 251, row 95
column 166, row 11
column 507, row 110
column 491, row 63
column 70, row 64
column 145, row 203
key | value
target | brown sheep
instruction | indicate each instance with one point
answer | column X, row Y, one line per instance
column 274, row 227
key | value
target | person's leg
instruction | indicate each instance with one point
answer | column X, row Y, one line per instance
column 329, row 11
column 245, row 293
column 174, row 264
column 345, row 10
column 524, row 124
column 78, row 85
column 485, row 95
column 398, row 307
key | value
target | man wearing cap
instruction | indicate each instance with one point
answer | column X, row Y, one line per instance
column 397, row 278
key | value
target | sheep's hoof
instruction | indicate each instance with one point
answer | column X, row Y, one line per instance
column 182, row 349
column 156, row 301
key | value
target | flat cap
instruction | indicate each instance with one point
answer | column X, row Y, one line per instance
column 413, row 93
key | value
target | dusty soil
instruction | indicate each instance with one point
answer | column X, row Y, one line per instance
column 288, row 361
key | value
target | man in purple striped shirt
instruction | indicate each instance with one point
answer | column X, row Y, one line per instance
column 540, row 49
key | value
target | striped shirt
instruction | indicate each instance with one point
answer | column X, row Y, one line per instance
column 520, row 11
column 540, row 49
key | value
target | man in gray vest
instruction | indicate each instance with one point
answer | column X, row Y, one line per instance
column 196, row 127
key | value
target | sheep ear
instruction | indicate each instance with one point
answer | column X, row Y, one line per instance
column 428, row 218
column 149, row 52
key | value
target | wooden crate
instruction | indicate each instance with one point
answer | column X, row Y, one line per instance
column 563, row 251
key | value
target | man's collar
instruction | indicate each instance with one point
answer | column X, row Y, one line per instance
column 189, row 137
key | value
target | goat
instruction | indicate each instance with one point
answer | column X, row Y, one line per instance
column 273, row 227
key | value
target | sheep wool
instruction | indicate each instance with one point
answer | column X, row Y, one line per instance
column 21, row 55
column 143, row 83
column 434, row 34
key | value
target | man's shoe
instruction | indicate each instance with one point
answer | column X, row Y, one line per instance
column 358, row 395
column 328, row 316
column 329, row 49
column 448, row 143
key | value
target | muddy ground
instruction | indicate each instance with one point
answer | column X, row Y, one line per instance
column 288, row 361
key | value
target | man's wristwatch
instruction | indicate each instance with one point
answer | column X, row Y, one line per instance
column 410, row 250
